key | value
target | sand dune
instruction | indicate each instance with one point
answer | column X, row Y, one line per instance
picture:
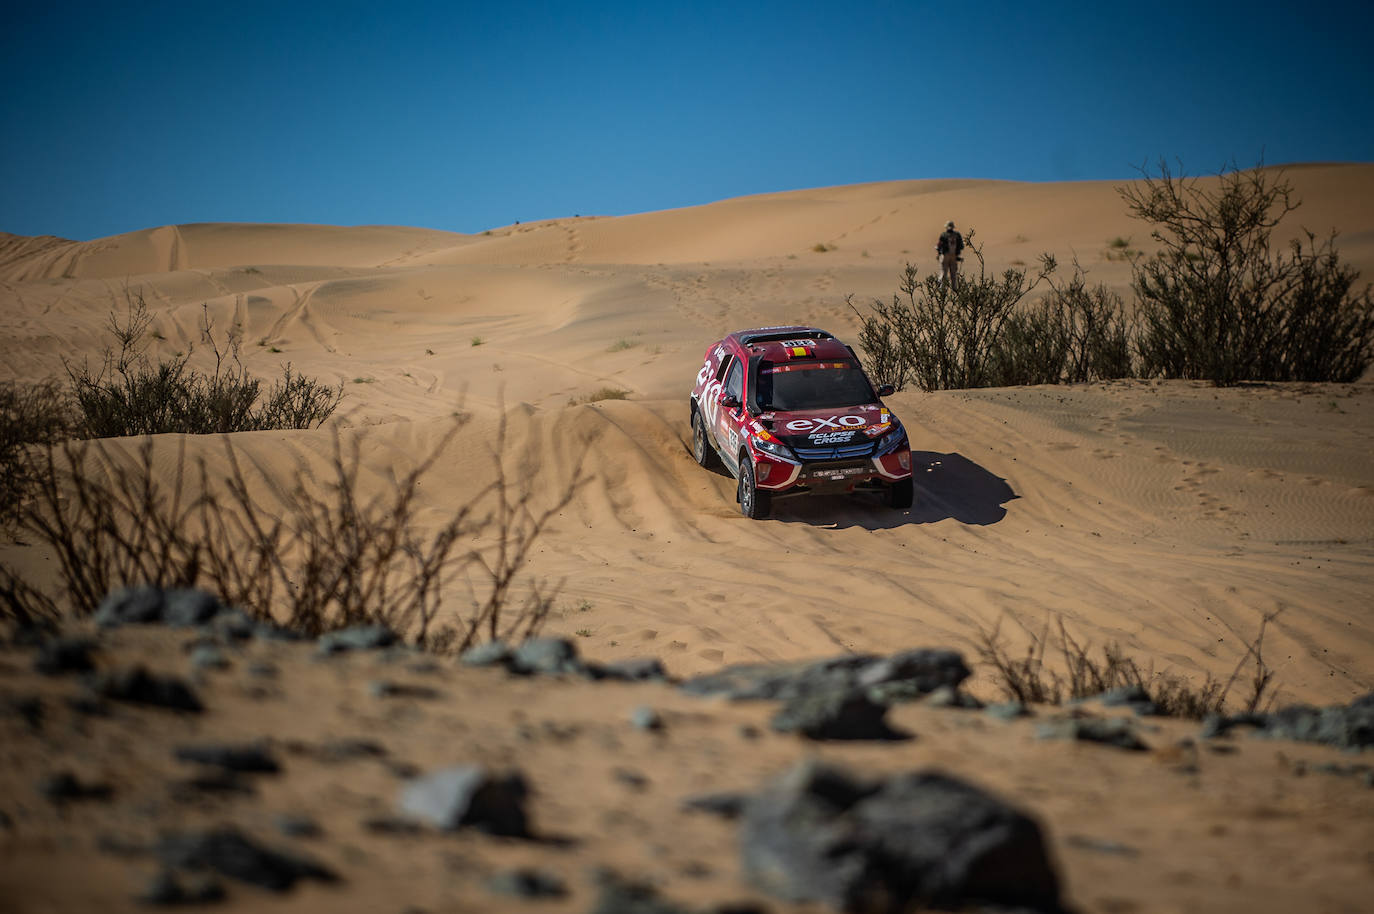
column 1169, row 518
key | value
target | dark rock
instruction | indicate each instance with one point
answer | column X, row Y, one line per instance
column 630, row 778
column 1009, row 710
column 88, row 705
column 130, row 606
column 254, row 758
column 65, row 655
column 358, row 638
column 916, row 840
column 727, row 805
column 64, row 787
column 618, row 896
column 391, row 825
column 493, row 653
column 185, row 607
column 347, row 750
column 1111, row 731
column 218, row 782
column 469, row 795
column 208, row 657
column 298, row 826
column 834, row 715
column 952, row 697
column 527, row 882
column 262, row 670
column 1346, row 727
column 28, row 708
column 1124, row 696
column 546, row 656
column 643, row 669
column 138, row 686
column 230, row 853
column 645, row 718
column 384, row 688
column 899, row 677
column 165, row 889
column 232, row 625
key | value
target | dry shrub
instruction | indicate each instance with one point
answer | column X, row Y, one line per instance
column 1028, row 678
column 332, row 558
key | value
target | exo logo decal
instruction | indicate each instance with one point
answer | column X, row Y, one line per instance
column 820, row 425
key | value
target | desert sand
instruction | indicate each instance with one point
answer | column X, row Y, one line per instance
column 1167, row 517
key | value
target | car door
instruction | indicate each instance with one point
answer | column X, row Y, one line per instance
column 728, row 419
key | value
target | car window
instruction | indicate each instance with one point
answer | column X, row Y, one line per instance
column 792, row 388
column 724, row 366
column 734, row 381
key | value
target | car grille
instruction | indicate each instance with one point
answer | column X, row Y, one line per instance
column 837, row 452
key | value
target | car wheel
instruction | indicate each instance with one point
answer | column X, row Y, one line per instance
column 752, row 502
column 900, row 494
column 701, row 448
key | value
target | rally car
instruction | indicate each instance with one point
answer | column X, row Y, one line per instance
column 789, row 410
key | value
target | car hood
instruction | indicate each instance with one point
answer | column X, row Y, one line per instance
column 837, row 425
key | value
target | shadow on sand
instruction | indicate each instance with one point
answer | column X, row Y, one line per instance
column 948, row 487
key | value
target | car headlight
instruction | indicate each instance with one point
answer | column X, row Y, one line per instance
column 891, row 441
column 775, row 448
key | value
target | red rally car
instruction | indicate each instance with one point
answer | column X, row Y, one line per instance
column 789, row 411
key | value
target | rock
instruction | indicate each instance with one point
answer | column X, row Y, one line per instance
column 357, row 638
column 642, row 669
column 147, row 605
column 1111, row 731
column 29, row 708
column 835, row 715
column 65, row 655
column 208, row 657
column 546, row 656
column 130, row 606
column 469, row 795
column 232, row 625
column 251, row 758
column 493, row 653
column 185, row 607
column 138, row 686
column 1346, row 727
column 64, row 787
column 166, row 890
column 527, row 882
column 1009, row 710
column 901, row 676
column 619, row 896
column 384, row 688
column 218, row 782
column 727, row 805
column 298, row 826
column 817, row 834
column 645, row 718
column 347, row 750
column 230, row 853
column 391, row 825
column 630, row 778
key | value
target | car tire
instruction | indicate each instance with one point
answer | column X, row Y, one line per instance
column 752, row 502
column 701, row 446
column 900, row 495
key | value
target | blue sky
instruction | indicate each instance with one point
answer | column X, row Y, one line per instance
column 466, row 116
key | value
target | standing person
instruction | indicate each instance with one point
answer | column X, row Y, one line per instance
column 950, row 250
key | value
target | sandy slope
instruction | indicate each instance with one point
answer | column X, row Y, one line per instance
column 1170, row 518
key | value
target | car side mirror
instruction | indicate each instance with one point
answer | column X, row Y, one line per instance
column 886, row 390
column 730, row 401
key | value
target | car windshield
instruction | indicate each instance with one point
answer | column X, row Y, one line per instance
column 798, row 387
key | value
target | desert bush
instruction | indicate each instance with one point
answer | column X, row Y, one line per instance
column 130, row 395
column 1217, row 302
column 941, row 336
column 1081, row 674
column 33, row 414
column 330, row 558
column 1072, row 335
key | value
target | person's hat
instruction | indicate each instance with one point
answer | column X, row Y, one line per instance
column 949, row 224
